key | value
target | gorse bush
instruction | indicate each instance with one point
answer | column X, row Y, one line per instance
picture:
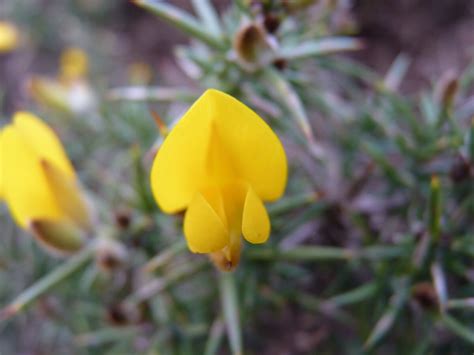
column 359, row 222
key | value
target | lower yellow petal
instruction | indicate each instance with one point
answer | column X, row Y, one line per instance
column 204, row 230
column 255, row 220
column 67, row 193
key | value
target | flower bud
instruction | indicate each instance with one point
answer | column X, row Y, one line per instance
column 110, row 254
column 251, row 46
column 74, row 65
column 59, row 237
column 425, row 294
column 9, row 37
column 447, row 88
column 48, row 93
column 40, row 186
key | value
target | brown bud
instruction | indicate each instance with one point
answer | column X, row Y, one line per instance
column 425, row 294
column 250, row 45
column 280, row 63
column 447, row 88
column 123, row 219
column 271, row 23
column 121, row 314
column 110, row 255
column 461, row 170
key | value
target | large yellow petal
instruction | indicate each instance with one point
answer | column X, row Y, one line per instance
column 67, row 193
column 179, row 168
column 218, row 139
column 256, row 152
column 255, row 220
column 42, row 140
column 26, row 189
column 204, row 230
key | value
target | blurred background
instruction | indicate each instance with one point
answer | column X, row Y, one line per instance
column 374, row 103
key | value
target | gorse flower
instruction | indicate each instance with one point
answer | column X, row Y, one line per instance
column 9, row 37
column 74, row 65
column 39, row 185
column 220, row 162
column 70, row 92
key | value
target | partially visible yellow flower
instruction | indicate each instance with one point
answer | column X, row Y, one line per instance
column 39, row 185
column 9, row 37
column 220, row 163
column 74, row 65
column 70, row 92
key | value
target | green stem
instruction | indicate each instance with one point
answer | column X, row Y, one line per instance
column 458, row 328
column 165, row 256
column 290, row 98
column 182, row 20
column 464, row 303
column 292, row 202
column 158, row 285
column 435, row 209
column 389, row 317
column 314, row 253
column 43, row 285
column 215, row 337
column 230, row 308
column 318, row 47
column 208, row 15
column 355, row 295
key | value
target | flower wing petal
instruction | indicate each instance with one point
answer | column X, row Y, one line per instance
column 203, row 228
column 67, row 193
column 255, row 220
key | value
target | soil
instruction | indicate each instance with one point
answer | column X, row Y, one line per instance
column 436, row 34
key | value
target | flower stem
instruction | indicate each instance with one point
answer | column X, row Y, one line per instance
column 315, row 253
column 44, row 284
column 230, row 308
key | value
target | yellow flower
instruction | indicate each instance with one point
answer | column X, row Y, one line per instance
column 39, row 185
column 70, row 92
column 8, row 37
column 220, row 162
column 74, row 65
